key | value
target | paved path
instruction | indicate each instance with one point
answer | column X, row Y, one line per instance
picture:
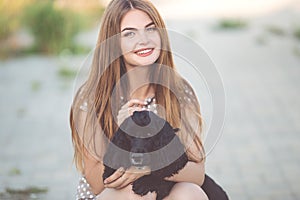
column 256, row 158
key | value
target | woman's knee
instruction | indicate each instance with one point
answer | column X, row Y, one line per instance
column 124, row 194
column 185, row 190
column 109, row 193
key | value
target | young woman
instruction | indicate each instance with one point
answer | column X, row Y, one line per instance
column 133, row 63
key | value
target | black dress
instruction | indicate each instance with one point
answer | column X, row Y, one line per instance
column 213, row 190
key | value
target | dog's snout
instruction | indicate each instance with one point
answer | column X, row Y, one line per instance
column 141, row 118
column 137, row 159
column 138, row 150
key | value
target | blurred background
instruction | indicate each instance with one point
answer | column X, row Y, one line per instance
column 255, row 45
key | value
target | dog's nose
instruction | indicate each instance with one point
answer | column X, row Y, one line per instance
column 141, row 118
column 136, row 159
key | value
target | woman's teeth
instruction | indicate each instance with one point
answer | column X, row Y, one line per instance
column 144, row 51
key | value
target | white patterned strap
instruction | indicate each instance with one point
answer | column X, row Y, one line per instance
column 84, row 191
column 84, row 106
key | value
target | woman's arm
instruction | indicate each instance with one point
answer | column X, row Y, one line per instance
column 192, row 172
column 93, row 170
column 92, row 167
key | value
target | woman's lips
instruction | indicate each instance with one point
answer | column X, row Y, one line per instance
column 144, row 52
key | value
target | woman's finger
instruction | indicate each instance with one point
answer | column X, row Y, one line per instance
column 129, row 176
column 132, row 110
column 136, row 102
column 133, row 174
column 123, row 115
column 116, row 175
column 129, row 108
column 132, row 102
column 124, row 184
column 117, row 183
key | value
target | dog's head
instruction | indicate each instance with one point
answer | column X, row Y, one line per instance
column 137, row 137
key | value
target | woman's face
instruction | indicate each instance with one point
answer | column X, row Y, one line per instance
column 140, row 40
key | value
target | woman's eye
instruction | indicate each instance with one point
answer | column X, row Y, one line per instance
column 151, row 29
column 129, row 34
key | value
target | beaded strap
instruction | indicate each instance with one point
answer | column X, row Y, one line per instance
column 84, row 191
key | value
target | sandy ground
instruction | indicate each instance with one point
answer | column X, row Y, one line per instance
column 257, row 156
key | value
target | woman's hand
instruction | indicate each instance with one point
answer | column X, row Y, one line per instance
column 128, row 109
column 122, row 178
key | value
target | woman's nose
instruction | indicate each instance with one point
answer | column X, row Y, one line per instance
column 143, row 38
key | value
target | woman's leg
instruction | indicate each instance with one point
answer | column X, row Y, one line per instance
column 123, row 194
column 184, row 190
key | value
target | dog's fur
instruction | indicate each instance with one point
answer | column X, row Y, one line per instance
column 141, row 139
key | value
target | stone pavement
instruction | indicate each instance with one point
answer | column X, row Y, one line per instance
column 256, row 158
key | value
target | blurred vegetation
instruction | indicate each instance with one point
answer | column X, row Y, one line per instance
column 23, row 194
column 231, row 24
column 20, row 113
column 14, row 171
column 276, row 30
column 262, row 40
column 67, row 73
column 53, row 29
column 35, row 85
column 9, row 16
column 296, row 51
column 53, row 24
column 29, row 190
column 297, row 32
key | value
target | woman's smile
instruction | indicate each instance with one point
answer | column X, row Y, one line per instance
column 144, row 52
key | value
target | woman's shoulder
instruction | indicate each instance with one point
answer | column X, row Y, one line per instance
column 81, row 99
column 187, row 95
column 84, row 106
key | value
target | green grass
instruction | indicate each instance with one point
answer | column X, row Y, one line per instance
column 35, row 86
column 27, row 191
column 276, row 30
column 21, row 112
column 14, row 171
column 67, row 73
column 262, row 40
column 297, row 33
column 296, row 51
column 225, row 24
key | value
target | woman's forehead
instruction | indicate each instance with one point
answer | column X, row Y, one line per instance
column 135, row 19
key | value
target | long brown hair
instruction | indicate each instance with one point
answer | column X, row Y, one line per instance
column 107, row 69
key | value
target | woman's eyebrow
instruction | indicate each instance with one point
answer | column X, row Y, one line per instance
column 126, row 29
column 129, row 28
column 150, row 24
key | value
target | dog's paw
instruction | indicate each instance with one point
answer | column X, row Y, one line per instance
column 144, row 185
column 140, row 189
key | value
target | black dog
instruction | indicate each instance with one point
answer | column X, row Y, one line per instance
column 145, row 139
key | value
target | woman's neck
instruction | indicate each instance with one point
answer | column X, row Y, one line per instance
column 143, row 92
column 139, row 84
